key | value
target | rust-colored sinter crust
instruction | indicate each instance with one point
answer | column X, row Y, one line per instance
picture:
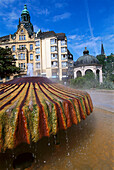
column 33, row 107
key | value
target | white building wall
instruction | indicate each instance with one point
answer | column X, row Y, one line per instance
column 48, row 57
column 59, row 60
column 43, row 50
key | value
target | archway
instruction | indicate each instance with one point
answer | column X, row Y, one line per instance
column 97, row 74
column 88, row 71
column 79, row 74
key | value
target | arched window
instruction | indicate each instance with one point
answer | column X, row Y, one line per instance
column 97, row 73
column 88, row 71
column 79, row 74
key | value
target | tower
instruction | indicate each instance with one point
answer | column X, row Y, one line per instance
column 25, row 20
column 102, row 50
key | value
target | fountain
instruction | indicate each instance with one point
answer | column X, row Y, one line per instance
column 30, row 69
column 35, row 107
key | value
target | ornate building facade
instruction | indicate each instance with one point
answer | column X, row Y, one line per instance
column 47, row 52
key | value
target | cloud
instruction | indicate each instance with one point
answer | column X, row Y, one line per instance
column 76, row 37
column 62, row 16
column 10, row 18
column 43, row 11
column 90, row 27
column 36, row 29
column 72, row 37
column 60, row 5
column 78, row 42
column 5, row 3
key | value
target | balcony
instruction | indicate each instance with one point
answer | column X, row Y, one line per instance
column 63, row 43
column 53, row 42
column 64, row 58
column 21, row 49
column 54, row 76
column 54, row 65
column 64, row 64
column 53, row 58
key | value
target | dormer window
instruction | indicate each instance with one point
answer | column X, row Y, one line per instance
column 22, row 31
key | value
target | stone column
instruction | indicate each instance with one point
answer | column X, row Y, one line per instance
column 75, row 75
column 100, row 76
column 83, row 71
column 94, row 71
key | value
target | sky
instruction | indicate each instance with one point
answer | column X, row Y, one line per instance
column 86, row 23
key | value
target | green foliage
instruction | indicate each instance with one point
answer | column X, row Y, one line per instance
column 106, row 85
column 107, row 66
column 102, row 61
column 7, row 63
column 87, row 81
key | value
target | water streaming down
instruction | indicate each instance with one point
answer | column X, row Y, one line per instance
column 80, row 141
column 30, row 69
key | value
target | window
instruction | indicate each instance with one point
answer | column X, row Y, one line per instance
column 53, row 49
column 38, row 51
column 13, row 47
column 22, row 31
column 14, row 56
column 22, row 47
column 63, row 56
column 54, row 73
column 64, row 73
column 63, row 42
column 63, row 49
column 19, row 37
column 21, row 56
column 53, row 41
column 53, row 56
column 31, row 56
column 6, row 47
column 18, row 56
column 37, row 43
column 64, row 64
column 37, row 57
column 54, row 64
column 24, row 66
column 31, row 46
column 21, row 65
column 37, row 65
column 24, row 37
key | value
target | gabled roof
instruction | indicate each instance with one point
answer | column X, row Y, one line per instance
column 61, row 36
column 46, row 34
column 5, row 38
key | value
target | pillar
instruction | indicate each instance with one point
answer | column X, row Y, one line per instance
column 100, row 77
column 75, row 75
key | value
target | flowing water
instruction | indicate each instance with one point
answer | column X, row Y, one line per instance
column 85, row 146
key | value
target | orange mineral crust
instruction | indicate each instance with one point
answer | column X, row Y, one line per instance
column 33, row 107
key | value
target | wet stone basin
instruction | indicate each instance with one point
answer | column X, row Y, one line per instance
column 85, row 146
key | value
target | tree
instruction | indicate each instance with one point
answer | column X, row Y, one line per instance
column 7, row 63
column 102, row 61
column 107, row 66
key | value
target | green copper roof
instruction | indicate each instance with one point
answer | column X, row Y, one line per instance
column 25, row 11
